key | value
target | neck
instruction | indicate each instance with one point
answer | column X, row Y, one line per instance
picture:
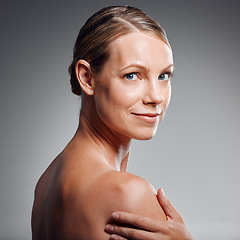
column 113, row 147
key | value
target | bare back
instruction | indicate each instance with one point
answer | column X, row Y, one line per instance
column 75, row 197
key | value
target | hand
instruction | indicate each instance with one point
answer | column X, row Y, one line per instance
column 150, row 229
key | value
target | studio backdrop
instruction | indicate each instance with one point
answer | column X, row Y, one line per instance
column 195, row 156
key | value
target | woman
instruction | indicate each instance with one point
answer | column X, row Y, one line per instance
column 121, row 67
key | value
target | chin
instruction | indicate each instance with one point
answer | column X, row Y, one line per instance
column 145, row 135
column 144, row 138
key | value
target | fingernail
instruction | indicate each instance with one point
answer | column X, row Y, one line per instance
column 109, row 228
column 114, row 237
column 115, row 215
column 163, row 192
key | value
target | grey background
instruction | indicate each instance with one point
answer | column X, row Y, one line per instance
column 195, row 155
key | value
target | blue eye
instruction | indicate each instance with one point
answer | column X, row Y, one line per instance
column 131, row 76
column 164, row 76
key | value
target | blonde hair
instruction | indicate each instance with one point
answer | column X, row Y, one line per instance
column 102, row 28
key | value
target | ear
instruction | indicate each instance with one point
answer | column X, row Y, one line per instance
column 84, row 76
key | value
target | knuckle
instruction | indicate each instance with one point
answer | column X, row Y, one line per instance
column 139, row 221
column 120, row 215
column 116, row 229
column 169, row 227
column 133, row 234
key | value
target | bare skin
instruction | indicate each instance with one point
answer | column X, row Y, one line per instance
column 150, row 229
column 75, row 197
column 81, row 197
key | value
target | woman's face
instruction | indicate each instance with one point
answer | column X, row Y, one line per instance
column 133, row 90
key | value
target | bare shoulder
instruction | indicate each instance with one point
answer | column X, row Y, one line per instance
column 89, row 208
column 130, row 193
column 81, row 199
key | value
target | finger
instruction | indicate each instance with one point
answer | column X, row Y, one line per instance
column 128, row 233
column 117, row 237
column 146, row 223
column 168, row 208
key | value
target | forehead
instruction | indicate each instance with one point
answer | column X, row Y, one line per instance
column 140, row 48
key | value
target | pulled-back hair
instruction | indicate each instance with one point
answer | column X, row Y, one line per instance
column 102, row 28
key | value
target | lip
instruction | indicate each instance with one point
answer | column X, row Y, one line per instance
column 147, row 117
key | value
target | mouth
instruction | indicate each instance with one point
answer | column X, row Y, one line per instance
column 147, row 117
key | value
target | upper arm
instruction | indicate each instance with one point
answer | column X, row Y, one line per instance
column 135, row 195
column 88, row 213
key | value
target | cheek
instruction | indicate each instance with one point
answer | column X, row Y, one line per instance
column 119, row 96
column 102, row 99
column 109, row 102
column 167, row 96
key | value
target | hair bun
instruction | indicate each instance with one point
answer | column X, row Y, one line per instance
column 75, row 86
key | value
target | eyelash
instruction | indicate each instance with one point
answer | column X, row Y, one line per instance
column 170, row 75
column 132, row 73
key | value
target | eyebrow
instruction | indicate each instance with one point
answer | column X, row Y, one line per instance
column 145, row 68
column 168, row 67
column 137, row 66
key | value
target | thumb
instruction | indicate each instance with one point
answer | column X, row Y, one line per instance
column 167, row 207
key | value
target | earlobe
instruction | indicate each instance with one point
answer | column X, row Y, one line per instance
column 84, row 76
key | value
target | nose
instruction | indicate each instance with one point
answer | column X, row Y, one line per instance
column 153, row 94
